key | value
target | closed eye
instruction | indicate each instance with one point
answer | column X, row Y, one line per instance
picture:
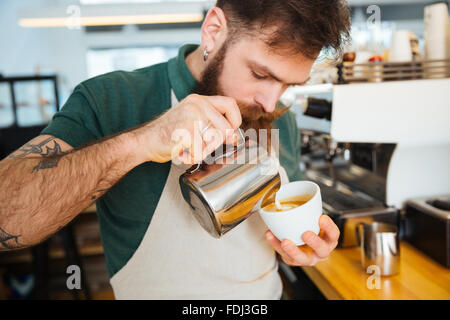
column 258, row 76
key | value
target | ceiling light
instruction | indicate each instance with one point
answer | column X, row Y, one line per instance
column 112, row 20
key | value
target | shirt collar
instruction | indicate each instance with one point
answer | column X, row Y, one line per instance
column 181, row 79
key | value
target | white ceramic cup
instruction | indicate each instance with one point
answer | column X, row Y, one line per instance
column 400, row 47
column 291, row 224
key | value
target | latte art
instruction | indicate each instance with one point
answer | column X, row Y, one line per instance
column 288, row 203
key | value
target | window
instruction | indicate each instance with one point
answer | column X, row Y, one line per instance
column 100, row 61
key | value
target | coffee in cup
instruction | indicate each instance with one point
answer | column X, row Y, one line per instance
column 302, row 212
column 288, row 203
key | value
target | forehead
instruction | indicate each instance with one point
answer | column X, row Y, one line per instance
column 290, row 68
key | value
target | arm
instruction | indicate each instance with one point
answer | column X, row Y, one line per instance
column 46, row 183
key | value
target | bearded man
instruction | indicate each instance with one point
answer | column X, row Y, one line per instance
column 113, row 143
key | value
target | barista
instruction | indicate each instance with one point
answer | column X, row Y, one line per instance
column 113, row 143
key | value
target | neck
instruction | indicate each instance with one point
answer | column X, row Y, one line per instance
column 195, row 63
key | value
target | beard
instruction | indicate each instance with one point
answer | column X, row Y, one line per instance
column 253, row 116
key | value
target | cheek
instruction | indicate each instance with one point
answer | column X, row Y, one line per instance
column 238, row 86
column 237, row 82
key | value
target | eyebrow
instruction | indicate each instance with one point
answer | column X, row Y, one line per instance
column 265, row 69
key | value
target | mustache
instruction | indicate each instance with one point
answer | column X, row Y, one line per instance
column 255, row 117
column 255, row 114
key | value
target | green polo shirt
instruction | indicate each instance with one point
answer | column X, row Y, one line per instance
column 120, row 100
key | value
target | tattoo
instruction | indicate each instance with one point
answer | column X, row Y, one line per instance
column 51, row 156
column 29, row 148
column 9, row 241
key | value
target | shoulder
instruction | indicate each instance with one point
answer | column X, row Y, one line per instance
column 127, row 98
column 289, row 144
column 287, row 123
column 287, row 130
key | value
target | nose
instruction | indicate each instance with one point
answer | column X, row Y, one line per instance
column 268, row 98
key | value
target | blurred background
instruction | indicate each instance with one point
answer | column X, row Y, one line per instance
column 75, row 52
column 49, row 46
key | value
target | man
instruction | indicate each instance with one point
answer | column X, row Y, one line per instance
column 113, row 143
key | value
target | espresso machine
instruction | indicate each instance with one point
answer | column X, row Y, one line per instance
column 351, row 191
column 382, row 146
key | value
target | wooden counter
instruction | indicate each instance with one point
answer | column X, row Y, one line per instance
column 342, row 277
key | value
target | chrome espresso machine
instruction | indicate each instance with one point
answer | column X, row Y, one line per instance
column 378, row 149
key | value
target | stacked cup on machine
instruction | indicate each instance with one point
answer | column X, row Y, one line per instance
column 437, row 38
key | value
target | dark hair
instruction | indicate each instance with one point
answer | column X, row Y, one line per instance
column 295, row 26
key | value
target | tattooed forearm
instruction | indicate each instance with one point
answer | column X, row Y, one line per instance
column 34, row 202
column 9, row 241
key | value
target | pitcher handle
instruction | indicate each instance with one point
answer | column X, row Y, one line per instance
column 209, row 159
column 357, row 232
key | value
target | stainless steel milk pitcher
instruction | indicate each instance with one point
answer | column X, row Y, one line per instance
column 379, row 243
column 225, row 189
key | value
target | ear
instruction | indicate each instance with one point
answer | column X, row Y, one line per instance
column 214, row 30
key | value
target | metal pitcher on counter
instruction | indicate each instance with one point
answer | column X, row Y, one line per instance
column 379, row 243
column 227, row 187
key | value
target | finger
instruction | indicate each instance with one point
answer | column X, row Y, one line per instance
column 228, row 107
column 181, row 139
column 196, row 147
column 213, row 139
column 232, row 138
column 185, row 157
column 276, row 245
column 217, row 120
column 300, row 257
column 321, row 248
column 200, row 144
column 212, row 136
column 330, row 230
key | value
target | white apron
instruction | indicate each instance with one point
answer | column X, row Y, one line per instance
column 177, row 259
